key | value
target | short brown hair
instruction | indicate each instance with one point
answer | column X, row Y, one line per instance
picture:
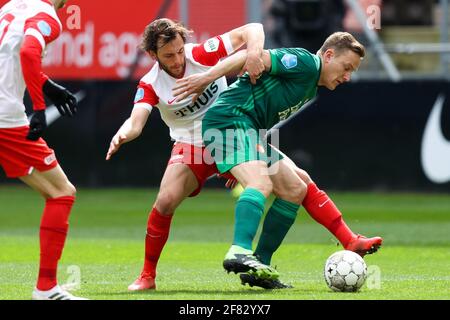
column 160, row 32
column 341, row 41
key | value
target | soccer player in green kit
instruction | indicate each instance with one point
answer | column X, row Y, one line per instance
column 232, row 133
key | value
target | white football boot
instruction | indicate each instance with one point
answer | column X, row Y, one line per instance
column 56, row 293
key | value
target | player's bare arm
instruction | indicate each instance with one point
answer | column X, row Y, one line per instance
column 196, row 84
column 130, row 130
column 251, row 34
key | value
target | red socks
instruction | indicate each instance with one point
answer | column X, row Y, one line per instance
column 52, row 235
column 158, row 227
column 322, row 209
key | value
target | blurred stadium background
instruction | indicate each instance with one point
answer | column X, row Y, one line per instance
column 380, row 145
column 367, row 135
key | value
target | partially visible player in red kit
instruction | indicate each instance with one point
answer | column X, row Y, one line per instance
column 26, row 27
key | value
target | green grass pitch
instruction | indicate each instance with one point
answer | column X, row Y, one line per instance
column 106, row 245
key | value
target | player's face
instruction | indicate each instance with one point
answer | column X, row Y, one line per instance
column 338, row 69
column 171, row 57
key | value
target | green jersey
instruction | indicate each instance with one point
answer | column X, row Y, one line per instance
column 278, row 94
column 231, row 127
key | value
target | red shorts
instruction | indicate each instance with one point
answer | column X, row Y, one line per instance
column 197, row 159
column 18, row 156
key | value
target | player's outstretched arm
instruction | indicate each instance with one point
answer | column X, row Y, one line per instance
column 130, row 130
column 196, row 83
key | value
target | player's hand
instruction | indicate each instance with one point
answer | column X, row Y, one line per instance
column 64, row 100
column 254, row 66
column 115, row 144
column 194, row 84
column 38, row 123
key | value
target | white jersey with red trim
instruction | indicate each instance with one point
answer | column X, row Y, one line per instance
column 184, row 118
column 19, row 18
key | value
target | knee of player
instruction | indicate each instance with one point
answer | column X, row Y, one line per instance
column 302, row 174
column 165, row 202
column 293, row 192
column 264, row 185
column 70, row 190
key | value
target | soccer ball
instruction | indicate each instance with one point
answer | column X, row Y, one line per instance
column 345, row 271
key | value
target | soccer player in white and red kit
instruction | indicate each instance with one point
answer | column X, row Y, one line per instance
column 26, row 27
column 165, row 41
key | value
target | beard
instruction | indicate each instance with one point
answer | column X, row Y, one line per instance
column 166, row 69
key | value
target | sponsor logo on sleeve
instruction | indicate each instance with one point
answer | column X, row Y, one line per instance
column 289, row 61
column 44, row 28
column 49, row 160
column 139, row 95
column 212, row 45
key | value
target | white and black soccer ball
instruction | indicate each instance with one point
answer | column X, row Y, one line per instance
column 345, row 271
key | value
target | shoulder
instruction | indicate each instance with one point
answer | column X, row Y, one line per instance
column 145, row 94
column 290, row 58
column 294, row 54
column 42, row 22
column 45, row 11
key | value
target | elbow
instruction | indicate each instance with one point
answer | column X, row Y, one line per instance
column 29, row 50
column 29, row 56
column 25, row 54
column 135, row 130
column 253, row 28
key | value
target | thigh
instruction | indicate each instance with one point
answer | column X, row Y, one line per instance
column 197, row 159
column 52, row 183
column 287, row 184
column 302, row 174
column 233, row 144
column 178, row 182
column 253, row 174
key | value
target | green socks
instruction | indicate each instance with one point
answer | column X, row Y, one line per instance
column 249, row 209
column 277, row 223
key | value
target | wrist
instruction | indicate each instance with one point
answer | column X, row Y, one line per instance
column 210, row 77
column 254, row 53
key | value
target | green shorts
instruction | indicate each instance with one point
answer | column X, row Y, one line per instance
column 233, row 140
